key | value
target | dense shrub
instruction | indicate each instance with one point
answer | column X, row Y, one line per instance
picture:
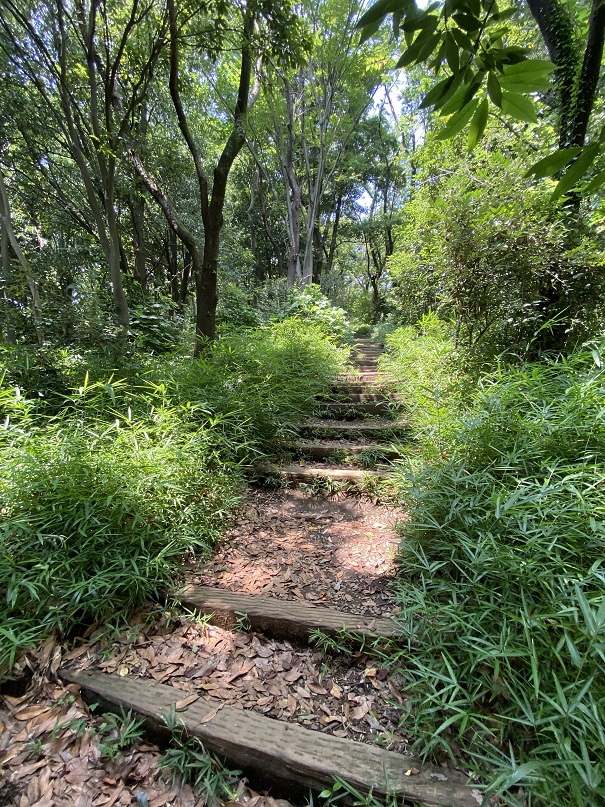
column 310, row 305
column 502, row 586
column 485, row 247
column 101, row 498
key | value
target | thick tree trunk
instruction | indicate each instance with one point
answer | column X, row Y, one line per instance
column 206, row 290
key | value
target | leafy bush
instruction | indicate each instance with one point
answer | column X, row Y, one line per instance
column 101, row 499
column 423, row 361
column 312, row 306
column 257, row 385
column 486, row 247
column 235, row 308
column 502, row 595
column 155, row 326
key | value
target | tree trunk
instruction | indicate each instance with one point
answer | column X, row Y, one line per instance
column 6, row 277
column 9, row 234
column 137, row 212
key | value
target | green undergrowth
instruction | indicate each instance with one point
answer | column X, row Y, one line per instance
column 423, row 364
column 502, row 586
column 104, row 488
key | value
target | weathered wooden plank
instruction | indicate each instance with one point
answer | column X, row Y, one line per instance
column 317, row 449
column 282, row 618
column 378, row 426
column 307, row 473
column 285, row 750
column 367, row 408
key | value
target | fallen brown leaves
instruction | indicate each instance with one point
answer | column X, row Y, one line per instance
column 291, row 545
column 344, row 696
column 51, row 754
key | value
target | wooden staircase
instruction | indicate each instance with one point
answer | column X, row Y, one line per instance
column 357, row 431
column 259, row 744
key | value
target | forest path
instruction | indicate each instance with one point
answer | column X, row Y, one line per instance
column 283, row 667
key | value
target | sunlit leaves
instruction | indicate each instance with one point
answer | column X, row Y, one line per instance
column 466, row 40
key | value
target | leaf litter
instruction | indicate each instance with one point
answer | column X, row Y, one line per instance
column 292, row 545
column 287, row 544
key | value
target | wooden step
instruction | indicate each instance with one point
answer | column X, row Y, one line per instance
column 320, row 449
column 348, row 387
column 380, row 429
column 281, row 618
column 362, row 378
column 362, row 397
column 288, row 751
column 308, row 473
column 351, row 409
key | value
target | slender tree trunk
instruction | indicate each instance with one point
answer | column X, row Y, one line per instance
column 8, row 233
column 6, row 277
column 172, row 264
column 186, row 275
column 137, row 213
column 333, row 237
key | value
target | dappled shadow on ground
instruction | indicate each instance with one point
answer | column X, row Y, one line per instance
column 293, row 545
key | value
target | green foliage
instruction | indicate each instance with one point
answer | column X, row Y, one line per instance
column 256, row 385
column 235, row 308
column 186, row 761
column 154, row 326
column 471, row 48
column 483, row 247
column 502, row 597
column 102, row 496
column 422, row 360
column 118, row 732
column 310, row 305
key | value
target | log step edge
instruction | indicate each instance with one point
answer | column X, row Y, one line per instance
column 281, row 618
column 288, row 751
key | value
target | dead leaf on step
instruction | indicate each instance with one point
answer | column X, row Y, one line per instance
column 412, row 772
column 212, row 713
column 185, row 702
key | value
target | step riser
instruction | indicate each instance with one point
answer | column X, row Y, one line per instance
column 307, row 475
column 283, row 619
column 361, row 397
column 290, row 752
column 352, row 410
column 323, row 452
column 352, row 433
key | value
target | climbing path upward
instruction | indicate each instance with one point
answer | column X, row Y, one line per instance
column 295, row 567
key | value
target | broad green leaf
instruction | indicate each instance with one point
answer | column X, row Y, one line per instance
column 540, row 67
column 505, row 14
column 576, row 171
column 462, row 40
column 455, row 103
column 467, row 22
column 437, row 92
column 452, row 52
column 478, row 124
column 379, row 10
column 417, row 47
column 429, row 47
column 368, row 31
column 596, row 182
column 458, row 121
column 529, row 75
column 553, row 163
column 494, row 90
column 519, row 107
column 417, row 22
